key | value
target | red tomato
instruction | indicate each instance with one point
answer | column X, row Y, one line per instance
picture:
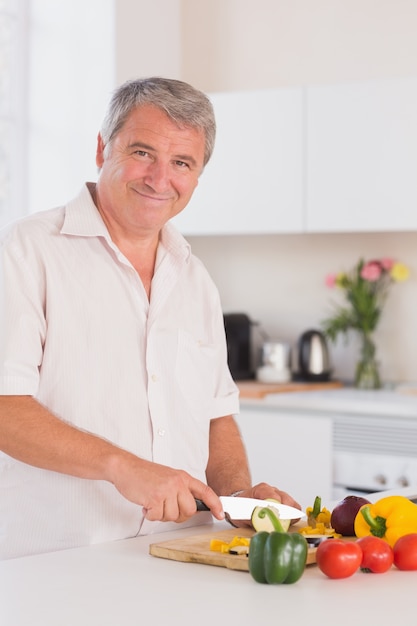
column 337, row 558
column 378, row 556
column 405, row 552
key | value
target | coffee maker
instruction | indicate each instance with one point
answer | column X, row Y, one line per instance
column 238, row 329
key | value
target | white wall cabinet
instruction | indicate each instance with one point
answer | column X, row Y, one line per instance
column 361, row 162
column 332, row 158
column 254, row 181
column 292, row 451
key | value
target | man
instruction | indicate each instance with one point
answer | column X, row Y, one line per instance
column 116, row 401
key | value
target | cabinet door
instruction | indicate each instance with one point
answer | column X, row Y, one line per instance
column 362, row 156
column 254, row 180
column 292, row 451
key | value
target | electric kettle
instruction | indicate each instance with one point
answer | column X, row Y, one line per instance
column 313, row 356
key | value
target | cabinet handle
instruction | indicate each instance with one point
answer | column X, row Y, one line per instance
column 380, row 479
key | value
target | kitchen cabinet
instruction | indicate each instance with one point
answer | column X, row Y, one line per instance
column 254, row 180
column 332, row 442
column 325, row 158
column 289, row 449
column 363, row 440
column 361, row 158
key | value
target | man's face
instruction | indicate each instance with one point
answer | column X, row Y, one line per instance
column 148, row 172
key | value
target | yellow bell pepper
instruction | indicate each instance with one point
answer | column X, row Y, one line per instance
column 389, row 518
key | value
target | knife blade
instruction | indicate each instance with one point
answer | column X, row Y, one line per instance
column 242, row 508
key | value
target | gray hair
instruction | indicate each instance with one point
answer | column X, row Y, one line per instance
column 183, row 104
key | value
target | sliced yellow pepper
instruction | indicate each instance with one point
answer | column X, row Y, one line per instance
column 239, row 541
column 324, row 517
column 318, row 521
column 217, row 545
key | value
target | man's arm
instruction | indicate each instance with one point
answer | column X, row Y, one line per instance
column 32, row 434
column 228, row 467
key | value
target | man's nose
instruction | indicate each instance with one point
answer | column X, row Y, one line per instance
column 157, row 176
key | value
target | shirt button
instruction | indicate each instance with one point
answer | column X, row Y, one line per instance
column 161, row 432
column 154, row 378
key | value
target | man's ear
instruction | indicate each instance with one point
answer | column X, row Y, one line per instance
column 100, row 151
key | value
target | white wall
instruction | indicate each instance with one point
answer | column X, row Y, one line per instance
column 148, row 38
column 244, row 44
column 71, row 80
column 279, row 281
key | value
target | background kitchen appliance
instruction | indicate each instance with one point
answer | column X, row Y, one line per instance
column 238, row 327
column 275, row 363
column 374, row 442
column 312, row 361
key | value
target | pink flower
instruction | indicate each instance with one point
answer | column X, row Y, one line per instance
column 387, row 264
column 371, row 271
column 331, row 280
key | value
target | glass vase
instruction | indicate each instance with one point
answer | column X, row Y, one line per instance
column 367, row 369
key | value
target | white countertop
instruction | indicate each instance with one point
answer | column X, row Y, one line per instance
column 120, row 584
column 379, row 402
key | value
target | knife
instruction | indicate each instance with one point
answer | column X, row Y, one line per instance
column 242, row 508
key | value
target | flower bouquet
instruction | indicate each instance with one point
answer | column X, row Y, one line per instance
column 365, row 289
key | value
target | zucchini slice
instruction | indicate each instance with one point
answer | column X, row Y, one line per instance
column 267, row 518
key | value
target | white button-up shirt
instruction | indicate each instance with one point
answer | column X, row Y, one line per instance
column 79, row 334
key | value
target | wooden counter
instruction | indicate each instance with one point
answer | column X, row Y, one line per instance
column 255, row 389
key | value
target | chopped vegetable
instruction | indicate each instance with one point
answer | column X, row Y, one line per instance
column 267, row 518
column 239, row 550
column 318, row 521
column 225, row 547
column 317, row 515
column 389, row 518
column 217, row 545
column 276, row 557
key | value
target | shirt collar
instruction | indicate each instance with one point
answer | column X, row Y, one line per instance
column 82, row 218
column 174, row 242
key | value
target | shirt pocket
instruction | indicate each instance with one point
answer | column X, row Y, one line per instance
column 196, row 371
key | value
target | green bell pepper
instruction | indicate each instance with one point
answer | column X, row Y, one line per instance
column 277, row 557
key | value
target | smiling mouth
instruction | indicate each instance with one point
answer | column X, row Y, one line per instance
column 152, row 197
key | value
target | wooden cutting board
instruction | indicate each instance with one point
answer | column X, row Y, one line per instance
column 255, row 389
column 196, row 549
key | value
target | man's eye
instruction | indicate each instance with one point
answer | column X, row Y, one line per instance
column 181, row 163
column 141, row 153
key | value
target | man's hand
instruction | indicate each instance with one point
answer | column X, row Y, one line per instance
column 263, row 491
column 166, row 494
